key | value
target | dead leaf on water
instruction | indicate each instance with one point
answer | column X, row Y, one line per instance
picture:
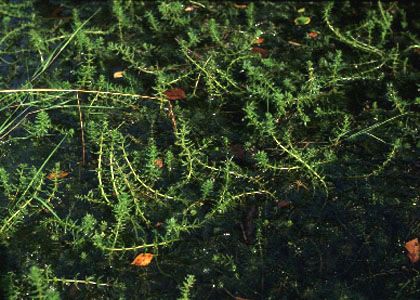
column 142, row 260
column 413, row 248
column 261, row 51
column 57, row 175
column 119, row 74
column 189, row 8
column 259, row 40
column 283, row 203
column 159, row 163
column 175, row 94
column 313, row 34
column 240, row 5
column 238, row 151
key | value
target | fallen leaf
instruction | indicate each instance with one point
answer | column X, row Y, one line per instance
column 175, row 94
column 142, row 260
column 159, row 163
column 259, row 40
column 189, row 8
column 56, row 13
column 240, row 298
column 238, row 151
column 119, row 74
column 158, row 224
column 302, row 20
column 301, row 10
column 313, row 34
column 261, row 51
column 240, row 5
column 57, row 175
column 283, row 203
column 413, row 248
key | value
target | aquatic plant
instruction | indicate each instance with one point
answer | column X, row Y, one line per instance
column 204, row 149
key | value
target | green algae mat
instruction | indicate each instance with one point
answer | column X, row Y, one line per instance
column 209, row 150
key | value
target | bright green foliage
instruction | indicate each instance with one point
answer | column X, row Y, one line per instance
column 186, row 287
column 42, row 124
column 289, row 171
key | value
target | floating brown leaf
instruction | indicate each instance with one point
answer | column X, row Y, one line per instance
column 159, row 163
column 57, row 175
column 259, row 40
column 238, row 151
column 313, row 35
column 175, row 94
column 56, row 13
column 413, row 248
column 142, row 260
column 240, row 5
column 189, row 8
column 261, row 51
column 283, row 203
column 119, row 74
column 158, row 225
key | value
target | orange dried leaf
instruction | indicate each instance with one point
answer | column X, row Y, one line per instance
column 158, row 224
column 57, row 175
column 142, row 260
column 261, row 51
column 240, row 5
column 119, row 74
column 189, row 8
column 283, row 203
column 259, row 40
column 313, row 34
column 175, row 94
column 413, row 248
column 159, row 163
